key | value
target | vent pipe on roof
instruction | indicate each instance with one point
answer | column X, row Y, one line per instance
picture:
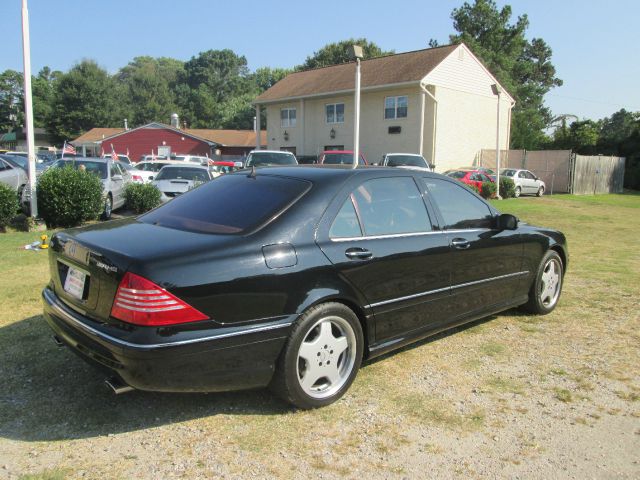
column 175, row 120
column 126, row 125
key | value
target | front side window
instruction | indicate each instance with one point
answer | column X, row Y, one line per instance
column 396, row 107
column 460, row 209
column 382, row 206
column 334, row 113
column 288, row 117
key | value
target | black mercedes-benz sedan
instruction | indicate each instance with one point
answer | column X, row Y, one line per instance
column 289, row 277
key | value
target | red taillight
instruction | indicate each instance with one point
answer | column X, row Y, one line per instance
column 142, row 302
column 137, row 178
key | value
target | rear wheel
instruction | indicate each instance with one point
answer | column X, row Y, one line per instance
column 540, row 191
column 321, row 357
column 108, row 207
column 517, row 192
column 547, row 286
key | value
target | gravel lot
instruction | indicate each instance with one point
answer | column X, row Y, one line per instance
column 512, row 396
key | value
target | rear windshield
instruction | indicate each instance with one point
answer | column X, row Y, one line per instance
column 265, row 159
column 340, row 159
column 456, row 174
column 406, row 160
column 97, row 168
column 150, row 166
column 183, row 173
column 248, row 204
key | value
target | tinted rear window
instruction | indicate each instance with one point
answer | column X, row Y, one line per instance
column 265, row 159
column 183, row 173
column 406, row 160
column 230, row 204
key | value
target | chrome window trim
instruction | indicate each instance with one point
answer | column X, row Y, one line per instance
column 412, row 234
column 53, row 303
column 454, row 287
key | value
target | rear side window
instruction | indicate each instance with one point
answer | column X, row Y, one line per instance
column 229, row 204
column 459, row 207
column 383, row 206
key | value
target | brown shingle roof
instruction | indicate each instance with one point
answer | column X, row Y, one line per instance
column 229, row 138
column 96, row 135
column 392, row 69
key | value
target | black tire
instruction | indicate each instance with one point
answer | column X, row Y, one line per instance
column 540, row 191
column 517, row 192
column 108, row 207
column 544, row 295
column 292, row 369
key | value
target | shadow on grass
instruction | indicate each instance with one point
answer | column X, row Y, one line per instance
column 48, row 393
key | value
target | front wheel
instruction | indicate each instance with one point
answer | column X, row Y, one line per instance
column 547, row 286
column 540, row 191
column 321, row 357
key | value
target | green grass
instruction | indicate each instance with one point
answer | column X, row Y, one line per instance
column 595, row 326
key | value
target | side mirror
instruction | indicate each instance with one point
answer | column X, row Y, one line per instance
column 238, row 164
column 506, row 221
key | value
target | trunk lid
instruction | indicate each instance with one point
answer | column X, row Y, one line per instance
column 87, row 264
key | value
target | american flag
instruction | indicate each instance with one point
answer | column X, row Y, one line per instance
column 68, row 148
column 114, row 155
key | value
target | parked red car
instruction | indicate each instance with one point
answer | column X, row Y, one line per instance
column 340, row 157
column 470, row 177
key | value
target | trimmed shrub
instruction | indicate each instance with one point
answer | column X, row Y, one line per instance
column 68, row 197
column 8, row 205
column 507, row 188
column 488, row 190
column 142, row 197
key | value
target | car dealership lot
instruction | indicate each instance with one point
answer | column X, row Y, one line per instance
column 518, row 395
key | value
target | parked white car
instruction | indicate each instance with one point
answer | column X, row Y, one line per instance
column 526, row 182
column 176, row 179
column 406, row 160
column 149, row 169
column 12, row 174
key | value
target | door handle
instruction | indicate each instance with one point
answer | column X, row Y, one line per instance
column 460, row 243
column 358, row 253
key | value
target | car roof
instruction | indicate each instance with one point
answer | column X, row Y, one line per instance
column 271, row 151
column 186, row 164
column 337, row 151
column 85, row 159
column 404, row 154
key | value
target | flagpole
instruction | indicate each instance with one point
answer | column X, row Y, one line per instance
column 28, row 108
column 64, row 147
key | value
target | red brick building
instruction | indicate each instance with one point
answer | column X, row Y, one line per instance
column 227, row 144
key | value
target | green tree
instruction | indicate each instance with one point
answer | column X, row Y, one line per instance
column 581, row 136
column 11, row 100
column 616, row 129
column 83, row 98
column 523, row 67
column 42, row 88
column 336, row 53
column 148, row 84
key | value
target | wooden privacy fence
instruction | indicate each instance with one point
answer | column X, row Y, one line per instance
column 597, row 174
column 562, row 170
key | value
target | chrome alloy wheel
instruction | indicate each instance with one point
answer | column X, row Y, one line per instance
column 550, row 283
column 326, row 357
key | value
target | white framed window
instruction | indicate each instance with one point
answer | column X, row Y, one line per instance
column 396, row 107
column 288, row 117
column 334, row 112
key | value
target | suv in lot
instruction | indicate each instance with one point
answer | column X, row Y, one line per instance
column 411, row 160
column 269, row 158
column 340, row 157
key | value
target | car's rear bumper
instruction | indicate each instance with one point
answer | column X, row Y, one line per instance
column 219, row 359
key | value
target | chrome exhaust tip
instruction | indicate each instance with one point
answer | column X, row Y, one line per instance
column 117, row 386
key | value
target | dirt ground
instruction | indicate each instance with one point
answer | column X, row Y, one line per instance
column 512, row 396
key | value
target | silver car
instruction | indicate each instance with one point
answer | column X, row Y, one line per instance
column 12, row 174
column 174, row 180
column 526, row 182
column 113, row 176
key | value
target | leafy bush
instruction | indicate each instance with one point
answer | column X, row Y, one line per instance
column 507, row 188
column 8, row 205
column 68, row 197
column 488, row 190
column 142, row 197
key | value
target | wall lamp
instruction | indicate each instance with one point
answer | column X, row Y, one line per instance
column 332, row 133
column 285, row 135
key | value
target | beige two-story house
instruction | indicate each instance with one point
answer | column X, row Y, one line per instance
column 440, row 102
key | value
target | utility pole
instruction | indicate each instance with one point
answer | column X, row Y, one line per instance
column 356, row 52
column 28, row 108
